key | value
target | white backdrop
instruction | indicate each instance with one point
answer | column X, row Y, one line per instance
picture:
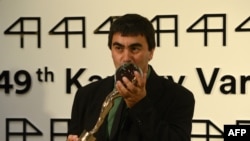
column 47, row 99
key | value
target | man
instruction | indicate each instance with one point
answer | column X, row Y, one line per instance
column 153, row 109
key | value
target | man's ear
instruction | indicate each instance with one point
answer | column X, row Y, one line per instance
column 151, row 54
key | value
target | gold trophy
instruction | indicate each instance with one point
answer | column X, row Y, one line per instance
column 126, row 70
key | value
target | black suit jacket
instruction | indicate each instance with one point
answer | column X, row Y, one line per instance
column 165, row 114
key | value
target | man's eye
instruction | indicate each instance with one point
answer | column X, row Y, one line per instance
column 135, row 49
column 119, row 48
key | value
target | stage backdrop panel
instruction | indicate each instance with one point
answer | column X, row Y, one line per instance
column 50, row 48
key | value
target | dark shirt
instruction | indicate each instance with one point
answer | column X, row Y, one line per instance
column 165, row 114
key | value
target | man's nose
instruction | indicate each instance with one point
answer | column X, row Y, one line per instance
column 127, row 56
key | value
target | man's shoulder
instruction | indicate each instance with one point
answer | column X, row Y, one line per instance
column 171, row 86
column 98, row 88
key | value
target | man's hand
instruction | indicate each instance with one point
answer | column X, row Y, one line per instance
column 72, row 138
column 132, row 93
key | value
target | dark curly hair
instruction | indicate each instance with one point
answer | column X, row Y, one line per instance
column 133, row 25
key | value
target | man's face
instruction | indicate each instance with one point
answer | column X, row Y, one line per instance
column 133, row 49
